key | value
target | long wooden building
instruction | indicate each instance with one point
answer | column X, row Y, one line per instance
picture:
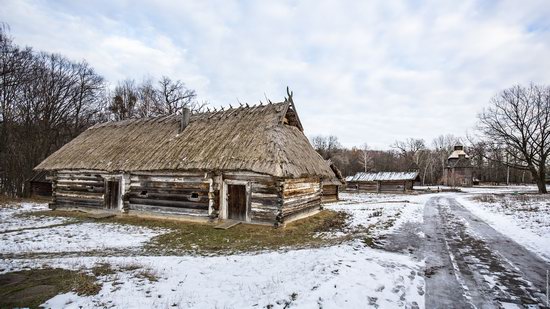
column 252, row 164
column 382, row 181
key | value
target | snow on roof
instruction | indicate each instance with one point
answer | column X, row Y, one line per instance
column 381, row 176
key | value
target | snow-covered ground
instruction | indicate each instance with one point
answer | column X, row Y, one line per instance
column 10, row 219
column 44, row 234
column 349, row 275
column 523, row 218
column 346, row 276
column 75, row 238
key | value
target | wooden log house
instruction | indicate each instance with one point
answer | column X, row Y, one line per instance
column 382, row 181
column 252, row 164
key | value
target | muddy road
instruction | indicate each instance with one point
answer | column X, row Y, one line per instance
column 468, row 263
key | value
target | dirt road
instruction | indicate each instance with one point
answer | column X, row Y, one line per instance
column 470, row 265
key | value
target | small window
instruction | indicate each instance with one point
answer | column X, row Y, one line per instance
column 91, row 189
column 194, row 196
column 143, row 193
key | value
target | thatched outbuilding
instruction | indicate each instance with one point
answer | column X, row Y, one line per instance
column 331, row 186
column 40, row 184
column 252, row 164
column 382, row 181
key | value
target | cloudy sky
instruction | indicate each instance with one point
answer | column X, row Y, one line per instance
column 365, row 71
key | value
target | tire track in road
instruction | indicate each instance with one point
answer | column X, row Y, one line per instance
column 471, row 265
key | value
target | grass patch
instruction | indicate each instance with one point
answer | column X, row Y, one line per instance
column 30, row 288
column 202, row 238
column 102, row 269
column 7, row 200
column 147, row 274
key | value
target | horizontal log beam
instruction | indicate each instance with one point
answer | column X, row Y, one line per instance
column 165, row 203
column 171, row 210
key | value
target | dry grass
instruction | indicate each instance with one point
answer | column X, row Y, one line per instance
column 102, row 269
column 202, row 238
column 515, row 202
column 147, row 274
column 6, row 200
column 30, row 288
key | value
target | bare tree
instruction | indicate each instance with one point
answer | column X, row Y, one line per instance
column 168, row 97
column 124, row 101
column 326, row 146
column 412, row 149
column 365, row 159
column 518, row 122
column 45, row 100
column 174, row 96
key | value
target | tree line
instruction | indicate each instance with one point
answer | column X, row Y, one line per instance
column 511, row 144
column 413, row 154
column 47, row 99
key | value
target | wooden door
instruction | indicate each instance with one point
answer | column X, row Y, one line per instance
column 112, row 193
column 236, row 202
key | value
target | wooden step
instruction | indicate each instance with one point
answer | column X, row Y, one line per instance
column 101, row 215
column 226, row 224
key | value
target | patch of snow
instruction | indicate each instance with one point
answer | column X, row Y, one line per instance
column 76, row 238
column 10, row 219
column 346, row 276
column 530, row 228
column 38, row 234
column 371, row 208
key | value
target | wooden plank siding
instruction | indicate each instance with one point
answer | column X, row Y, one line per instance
column 75, row 189
column 300, row 195
column 381, row 186
column 186, row 194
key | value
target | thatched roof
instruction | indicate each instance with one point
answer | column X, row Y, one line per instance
column 266, row 139
column 337, row 178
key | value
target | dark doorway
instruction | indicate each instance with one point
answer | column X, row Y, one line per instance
column 112, row 192
column 236, row 202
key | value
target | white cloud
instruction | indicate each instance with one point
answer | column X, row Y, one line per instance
column 372, row 71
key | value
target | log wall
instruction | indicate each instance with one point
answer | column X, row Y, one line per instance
column 300, row 195
column 330, row 193
column 381, row 186
column 186, row 194
column 78, row 189
column 264, row 198
column 371, row 186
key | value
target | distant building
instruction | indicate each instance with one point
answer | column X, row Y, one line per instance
column 459, row 170
column 40, row 184
column 382, row 181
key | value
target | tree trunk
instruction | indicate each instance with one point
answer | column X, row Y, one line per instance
column 540, row 178
column 541, row 184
